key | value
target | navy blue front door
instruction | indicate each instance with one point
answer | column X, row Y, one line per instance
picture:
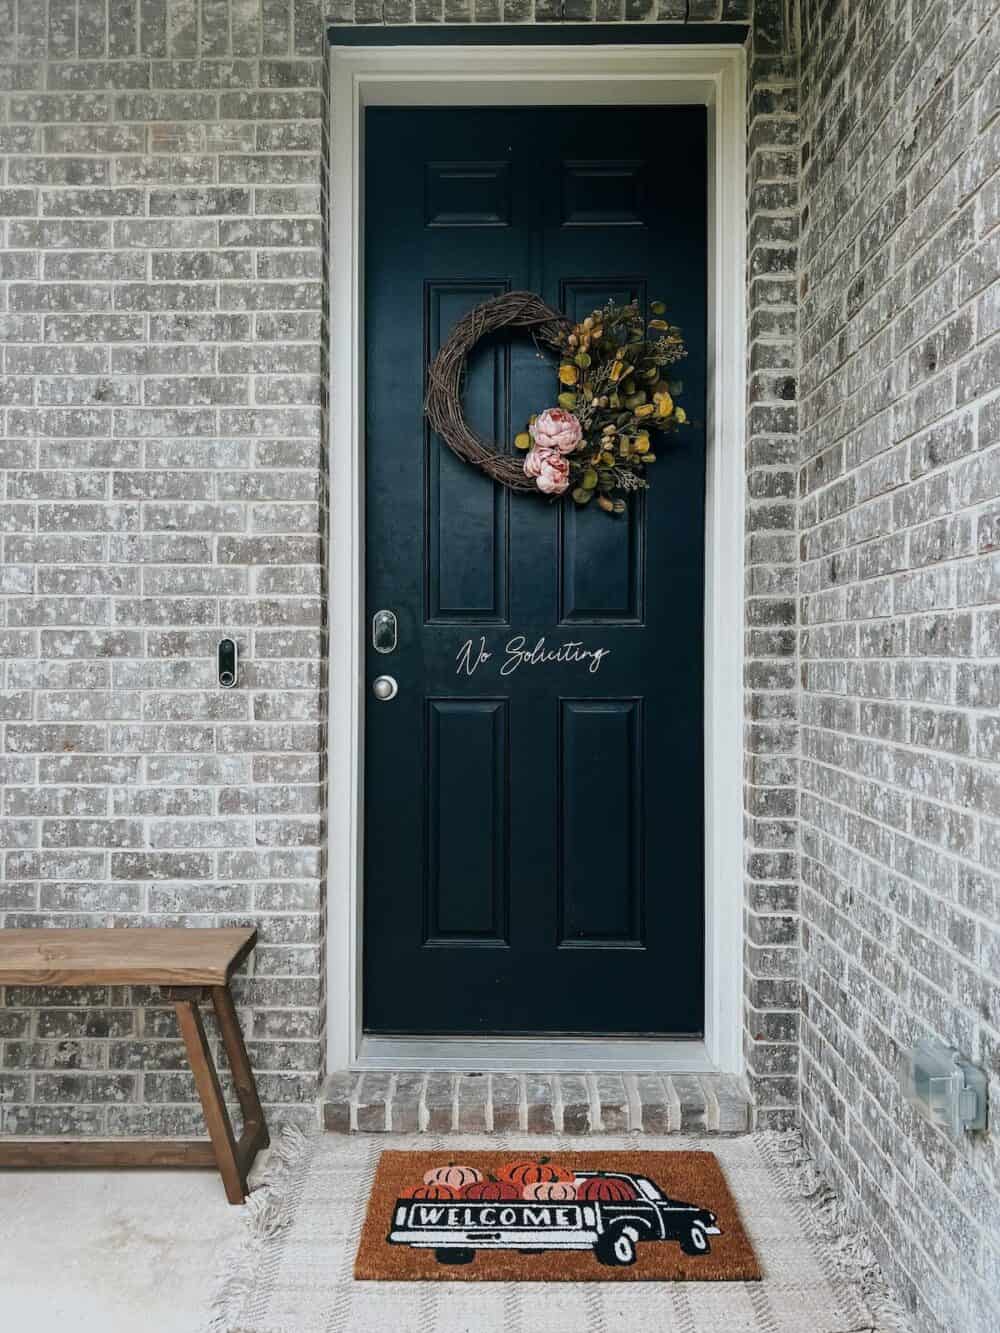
column 534, row 792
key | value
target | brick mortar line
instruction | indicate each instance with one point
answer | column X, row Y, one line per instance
column 938, row 849
column 947, row 756
column 981, row 241
column 968, row 307
column 941, row 947
column 945, row 373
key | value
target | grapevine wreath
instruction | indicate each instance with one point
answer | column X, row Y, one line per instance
column 612, row 395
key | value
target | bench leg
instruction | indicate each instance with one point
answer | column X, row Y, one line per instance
column 220, row 1129
column 255, row 1135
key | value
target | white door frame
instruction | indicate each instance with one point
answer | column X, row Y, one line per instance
column 713, row 76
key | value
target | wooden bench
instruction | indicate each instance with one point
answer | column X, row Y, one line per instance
column 188, row 966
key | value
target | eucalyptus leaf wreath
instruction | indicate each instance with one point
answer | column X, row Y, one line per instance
column 613, row 395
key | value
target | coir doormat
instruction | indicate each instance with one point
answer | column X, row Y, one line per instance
column 573, row 1217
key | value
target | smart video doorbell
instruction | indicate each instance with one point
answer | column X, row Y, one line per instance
column 229, row 663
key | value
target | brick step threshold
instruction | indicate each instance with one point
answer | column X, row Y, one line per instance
column 436, row 1102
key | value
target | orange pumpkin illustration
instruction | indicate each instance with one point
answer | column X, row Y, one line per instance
column 533, row 1173
column 491, row 1189
column 605, row 1189
column 432, row 1191
column 553, row 1190
column 453, row 1175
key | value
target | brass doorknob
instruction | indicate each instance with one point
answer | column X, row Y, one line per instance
column 384, row 688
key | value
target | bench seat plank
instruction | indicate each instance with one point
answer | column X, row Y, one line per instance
column 141, row 957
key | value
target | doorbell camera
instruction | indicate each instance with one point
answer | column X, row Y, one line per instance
column 229, row 663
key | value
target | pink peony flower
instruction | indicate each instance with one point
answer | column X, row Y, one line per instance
column 535, row 459
column 556, row 428
column 549, row 468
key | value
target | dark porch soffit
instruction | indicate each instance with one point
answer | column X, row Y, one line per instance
column 537, row 34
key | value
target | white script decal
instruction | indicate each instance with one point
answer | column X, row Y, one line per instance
column 470, row 658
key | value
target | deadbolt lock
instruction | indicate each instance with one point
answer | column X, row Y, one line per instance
column 385, row 635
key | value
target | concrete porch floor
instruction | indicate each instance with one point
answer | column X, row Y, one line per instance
column 111, row 1251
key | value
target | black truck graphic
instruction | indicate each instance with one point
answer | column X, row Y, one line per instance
column 612, row 1227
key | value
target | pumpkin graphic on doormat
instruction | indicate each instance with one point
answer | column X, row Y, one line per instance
column 578, row 1216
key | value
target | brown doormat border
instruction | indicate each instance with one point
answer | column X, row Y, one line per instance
column 594, row 1216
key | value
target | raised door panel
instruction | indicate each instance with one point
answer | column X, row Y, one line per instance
column 601, row 802
column 603, row 193
column 601, row 565
column 466, row 516
column 467, row 194
column 466, row 875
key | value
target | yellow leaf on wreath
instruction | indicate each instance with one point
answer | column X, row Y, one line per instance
column 589, row 479
column 642, row 443
column 680, row 416
column 568, row 374
column 646, row 410
column 522, row 441
column 659, row 324
column 664, row 404
column 567, row 400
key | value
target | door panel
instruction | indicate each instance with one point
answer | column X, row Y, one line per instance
column 533, row 813
column 601, row 768
column 601, row 564
column 601, row 569
column 466, row 881
column 466, row 541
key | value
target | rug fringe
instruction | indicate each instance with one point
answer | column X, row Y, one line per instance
column 850, row 1247
column 265, row 1214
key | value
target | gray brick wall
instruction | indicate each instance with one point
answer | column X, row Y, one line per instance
column 900, row 645
column 160, row 314
column 160, row 308
column 770, row 669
